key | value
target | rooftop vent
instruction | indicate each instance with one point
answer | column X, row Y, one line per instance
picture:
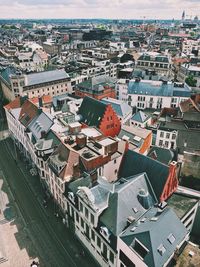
column 130, row 219
column 145, row 199
column 87, row 154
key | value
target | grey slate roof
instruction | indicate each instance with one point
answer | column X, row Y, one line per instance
column 40, row 123
column 122, row 109
column 154, row 234
column 5, row 74
column 150, row 88
column 124, row 200
column 92, row 111
column 160, row 154
column 140, row 116
column 134, row 163
column 46, row 76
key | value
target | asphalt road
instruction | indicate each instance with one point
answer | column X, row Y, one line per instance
column 55, row 244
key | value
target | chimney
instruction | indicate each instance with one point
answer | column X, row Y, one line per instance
column 43, row 134
column 40, row 102
column 81, row 140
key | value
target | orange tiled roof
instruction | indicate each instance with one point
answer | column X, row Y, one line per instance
column 180, row 60
column 28, row 112
column 46, row 99
column 13, row 104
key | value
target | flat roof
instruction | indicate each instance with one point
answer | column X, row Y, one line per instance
column 45, row 76
column 106, row 142
column 91, row 132
column 181, row 204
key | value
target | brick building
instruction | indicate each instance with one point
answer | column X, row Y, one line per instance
column 100, row 115
column 97, row 87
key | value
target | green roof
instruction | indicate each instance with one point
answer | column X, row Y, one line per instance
column 134, row 163
column 92, row 111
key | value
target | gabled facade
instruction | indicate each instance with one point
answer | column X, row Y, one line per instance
column 163, row 178
column 119, row 232
column 100, row 115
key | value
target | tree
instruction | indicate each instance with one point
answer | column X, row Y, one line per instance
column 191, row 81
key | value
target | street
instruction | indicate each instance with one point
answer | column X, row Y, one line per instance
column 54, row 243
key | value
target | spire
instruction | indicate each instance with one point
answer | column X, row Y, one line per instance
column 183, row 15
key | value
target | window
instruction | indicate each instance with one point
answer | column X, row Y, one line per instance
column 82, row 223
column 92, row 218
column 104, row 253
column 139, row 248
column 166, row 143
column 98, row 241
column 167, row 135
column 111, row 258
column 171, row 238
column 93, row 235
column 161, row 134
column 86, row 212
column 81, row 206
column 77, row 217
column 160, row 142
column 173, row 136
column 172, row 145
column 125, row 260
column 161, row 249
column 87, row 231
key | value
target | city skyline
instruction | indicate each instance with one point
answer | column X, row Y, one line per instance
column 114, row 9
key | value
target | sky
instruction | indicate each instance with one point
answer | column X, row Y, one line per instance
column 111, row 9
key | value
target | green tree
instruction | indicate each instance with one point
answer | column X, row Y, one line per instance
column 191, row 81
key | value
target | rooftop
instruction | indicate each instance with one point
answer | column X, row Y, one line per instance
column 158, row 88
column 181, row 204
column 158, row 246
column 121, row 108
column 45, row 76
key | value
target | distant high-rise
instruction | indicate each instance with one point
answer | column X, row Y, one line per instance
column 183, row 15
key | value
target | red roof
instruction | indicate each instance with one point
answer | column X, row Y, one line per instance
column 46, row 99
column 28, row 112
column 14, row 104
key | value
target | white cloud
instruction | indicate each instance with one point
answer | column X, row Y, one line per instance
column 130, row 9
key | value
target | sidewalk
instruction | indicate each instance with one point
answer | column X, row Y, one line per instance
column 15, row 245
column 66, row 237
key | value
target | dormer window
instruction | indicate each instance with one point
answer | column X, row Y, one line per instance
column 139, row 248
column 161, row 249
column 104, row 232
column 171, row 238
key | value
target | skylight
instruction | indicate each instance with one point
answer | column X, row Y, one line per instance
column 161, row 249
column 171, row 238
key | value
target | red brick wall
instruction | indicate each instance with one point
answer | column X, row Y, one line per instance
column 172, row 182
column 146, row 144
column 95, row 163
column 110, row 124
column 109, row 92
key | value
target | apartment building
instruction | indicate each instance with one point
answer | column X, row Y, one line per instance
column 15, row 84
column 33, row 61
column 191, row 47
column 114, row 229
column 153, row 94
column 97, row 87
column 92, row 178
column 159, row 63
column 189, row 70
